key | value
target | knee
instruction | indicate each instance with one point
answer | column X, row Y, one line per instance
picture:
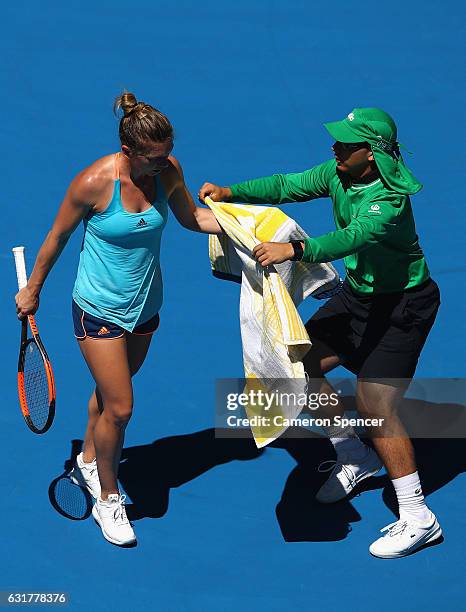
column 118, row 412
column 370, row 406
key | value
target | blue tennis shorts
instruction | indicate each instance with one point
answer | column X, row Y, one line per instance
column 88, row 326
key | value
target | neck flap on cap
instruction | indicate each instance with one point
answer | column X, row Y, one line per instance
column 376, row 127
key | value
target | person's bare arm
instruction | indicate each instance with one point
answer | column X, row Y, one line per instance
column 182, row 204
column 78, row 201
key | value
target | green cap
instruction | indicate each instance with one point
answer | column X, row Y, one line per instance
column 376, row 127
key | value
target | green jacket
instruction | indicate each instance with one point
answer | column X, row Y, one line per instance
column 376, row 234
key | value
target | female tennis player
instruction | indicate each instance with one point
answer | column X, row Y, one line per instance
column 122, row 199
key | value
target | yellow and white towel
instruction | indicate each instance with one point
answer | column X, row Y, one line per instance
column 273, row 335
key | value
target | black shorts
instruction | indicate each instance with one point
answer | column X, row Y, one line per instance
column 377, row 336
column 88, row 326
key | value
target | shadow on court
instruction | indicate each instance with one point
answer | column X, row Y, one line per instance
column 177, row 460
column 439, row 462
column 303, row 519
column 174, row 461
column 300, row 516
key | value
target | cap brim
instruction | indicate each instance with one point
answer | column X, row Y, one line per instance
column 339, row 130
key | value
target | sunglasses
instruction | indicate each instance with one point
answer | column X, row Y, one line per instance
column 351, row 146
column 160, row 161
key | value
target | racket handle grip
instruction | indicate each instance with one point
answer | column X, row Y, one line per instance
column 20, row 264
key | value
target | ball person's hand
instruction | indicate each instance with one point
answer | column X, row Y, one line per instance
column 268, row 253
column 217, row 193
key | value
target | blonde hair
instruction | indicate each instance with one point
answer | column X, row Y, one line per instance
column 141, row 122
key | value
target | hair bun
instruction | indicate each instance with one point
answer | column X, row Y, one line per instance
column 127, row 102
column 141, row 123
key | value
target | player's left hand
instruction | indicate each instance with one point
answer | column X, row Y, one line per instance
column 268, row 253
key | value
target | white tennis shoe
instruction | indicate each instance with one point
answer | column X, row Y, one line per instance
column 345, row 476
column 111, row 517
column 405, row 537
column 86, row 476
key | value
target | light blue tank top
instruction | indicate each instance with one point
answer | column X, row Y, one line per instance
column 119, row 277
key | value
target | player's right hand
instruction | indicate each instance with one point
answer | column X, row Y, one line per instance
column 27, row 302
column 217, row 193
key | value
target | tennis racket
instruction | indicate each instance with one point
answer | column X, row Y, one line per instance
column 67, row 499
column 36, row 385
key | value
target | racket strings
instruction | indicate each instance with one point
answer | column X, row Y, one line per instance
column 36, row 387
column 71, row 501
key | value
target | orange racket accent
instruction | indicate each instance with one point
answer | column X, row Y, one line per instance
column 32, row 324
column 36, row 384
column 47, row 364
column 50, row 380
column 22, row 394
column 50, row 387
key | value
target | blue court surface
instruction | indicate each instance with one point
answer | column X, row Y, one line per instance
column 247, row 86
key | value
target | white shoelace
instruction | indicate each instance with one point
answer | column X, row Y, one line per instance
column 333, row 467
column 119, row 514
column 396, row 528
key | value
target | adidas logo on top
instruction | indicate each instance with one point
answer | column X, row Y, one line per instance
column 141, row 223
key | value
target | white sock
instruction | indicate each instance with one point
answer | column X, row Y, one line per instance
column 115, row 497
column 347, row 445
column 410, row 498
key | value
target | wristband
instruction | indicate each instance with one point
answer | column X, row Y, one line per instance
column 298, row 250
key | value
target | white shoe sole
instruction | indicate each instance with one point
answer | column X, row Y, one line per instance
column 96, row 516
column 360, row 479
column 427, row 539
